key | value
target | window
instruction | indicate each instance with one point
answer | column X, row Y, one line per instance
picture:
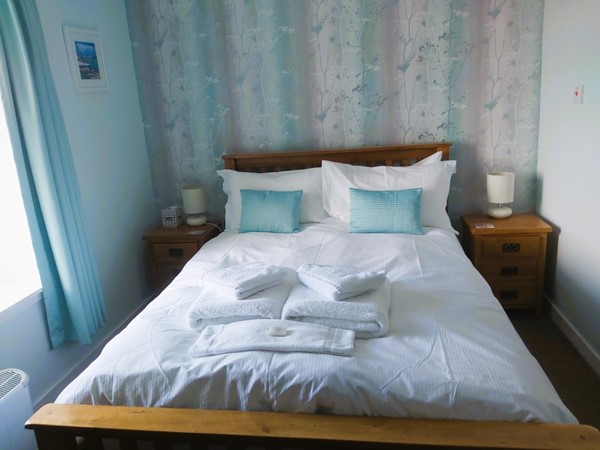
column 19, row 276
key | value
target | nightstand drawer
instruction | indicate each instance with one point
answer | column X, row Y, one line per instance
column 174, row 251
column 513, row 269
column 511, row 247
column 515, row 295
column 171, row 248
column 511, row 256
column 166, row 272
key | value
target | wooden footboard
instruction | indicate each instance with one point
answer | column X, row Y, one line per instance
column 59, row 426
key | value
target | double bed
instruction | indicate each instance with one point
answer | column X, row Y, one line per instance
column 450, row 369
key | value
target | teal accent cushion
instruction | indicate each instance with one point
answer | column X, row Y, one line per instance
column 270, row 211
column 385, row 211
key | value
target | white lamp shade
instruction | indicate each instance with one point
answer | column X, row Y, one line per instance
column 194, row 199
column 500, row 187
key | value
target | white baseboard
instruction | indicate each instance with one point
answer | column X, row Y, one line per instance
column 51, row 395
column 578, row 341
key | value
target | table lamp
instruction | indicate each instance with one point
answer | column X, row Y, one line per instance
column 194, row 204
column 500, row 190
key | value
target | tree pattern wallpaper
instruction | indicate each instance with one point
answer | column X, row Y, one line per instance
column 236, row 76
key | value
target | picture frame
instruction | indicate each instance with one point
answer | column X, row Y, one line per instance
column 85, row 59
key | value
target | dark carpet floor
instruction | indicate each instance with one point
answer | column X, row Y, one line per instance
column 576, row 383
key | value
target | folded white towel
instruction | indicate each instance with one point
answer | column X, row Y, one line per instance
column 211, row 308
column 243, row 280
column 257, row 335
column 339, row 282
column 366, row 314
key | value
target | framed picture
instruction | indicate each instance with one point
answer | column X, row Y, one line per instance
column 85, row 58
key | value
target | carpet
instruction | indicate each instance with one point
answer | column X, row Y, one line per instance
column 576, row 383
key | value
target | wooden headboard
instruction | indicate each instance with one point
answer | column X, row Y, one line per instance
column 399, row 155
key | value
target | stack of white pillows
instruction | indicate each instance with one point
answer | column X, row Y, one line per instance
column 403, row 198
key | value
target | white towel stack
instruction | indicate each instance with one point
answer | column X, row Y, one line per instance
column 339, row 282
column 212, row 308
column 329, row 296
column 257, row 335
column 367, row 314
column 244, row 280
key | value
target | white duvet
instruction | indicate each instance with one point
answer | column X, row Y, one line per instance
column 450, row 352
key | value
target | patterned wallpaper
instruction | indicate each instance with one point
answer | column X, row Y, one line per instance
column 224, row 76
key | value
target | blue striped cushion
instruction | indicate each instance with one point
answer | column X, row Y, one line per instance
column 270, row 211
column 385, row 211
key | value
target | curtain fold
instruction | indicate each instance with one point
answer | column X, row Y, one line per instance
column 73, row 298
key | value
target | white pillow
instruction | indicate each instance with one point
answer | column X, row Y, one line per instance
column 436, row 157
column 433, row 178
column 306, row 180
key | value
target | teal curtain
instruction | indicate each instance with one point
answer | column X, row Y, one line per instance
column 73, row 299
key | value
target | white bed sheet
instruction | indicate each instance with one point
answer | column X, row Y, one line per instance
column 450, row 353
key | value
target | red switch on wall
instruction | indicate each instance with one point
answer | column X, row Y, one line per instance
column 578, row 94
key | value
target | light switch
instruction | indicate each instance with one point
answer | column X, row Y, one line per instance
column 578, row 94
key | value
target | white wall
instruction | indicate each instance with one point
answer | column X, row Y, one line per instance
column 569, row 159
column 109, row 151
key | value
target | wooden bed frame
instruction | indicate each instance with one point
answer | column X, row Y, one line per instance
column 404, row 155
column 59, row 426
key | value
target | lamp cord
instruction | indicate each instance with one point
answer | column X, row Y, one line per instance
column 214, row 225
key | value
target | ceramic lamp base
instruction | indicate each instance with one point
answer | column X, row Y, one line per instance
column 499, row 212
column 195, row 221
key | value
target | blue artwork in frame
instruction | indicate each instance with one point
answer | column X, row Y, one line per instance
column 86, row 60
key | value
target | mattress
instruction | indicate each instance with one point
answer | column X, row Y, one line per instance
column 450, row 353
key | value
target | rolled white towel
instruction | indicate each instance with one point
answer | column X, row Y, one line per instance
column 243, row 280
column 366, row 314
column 274, row 336
column 211, row 308
column 339, row 282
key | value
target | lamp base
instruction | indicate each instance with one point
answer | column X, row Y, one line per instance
column 499, row 212
column 196, row 220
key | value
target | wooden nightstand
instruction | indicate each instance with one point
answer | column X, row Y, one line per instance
column 511, row 257
column 171, row 248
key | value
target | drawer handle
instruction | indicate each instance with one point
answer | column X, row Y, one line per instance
column 513, row 247
column 509, row 295
column 510, row 271
column 176, row 252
